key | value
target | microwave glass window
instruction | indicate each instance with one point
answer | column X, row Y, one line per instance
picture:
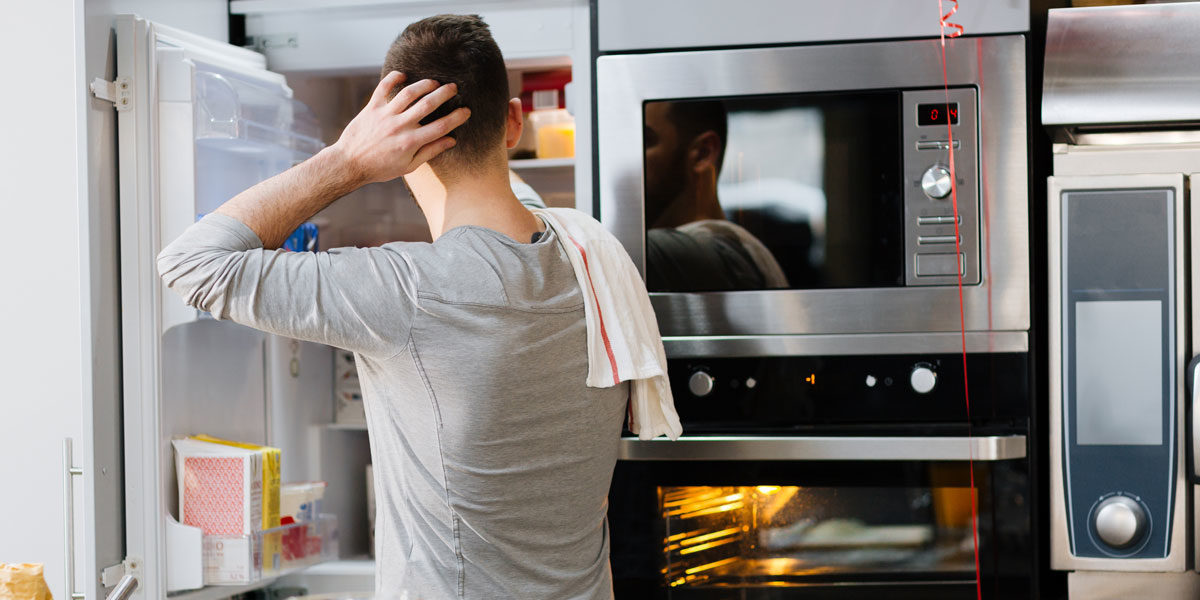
column 782, row 536
column 781, row 192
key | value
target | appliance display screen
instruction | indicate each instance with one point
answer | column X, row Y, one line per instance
column 1119, row 372
column 775, row 192
column 937, row 114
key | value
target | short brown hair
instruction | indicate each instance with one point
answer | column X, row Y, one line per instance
column 457, row 49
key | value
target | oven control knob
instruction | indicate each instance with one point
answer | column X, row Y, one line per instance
column 936, row 182
column 923, row 378
column 701, row 383
column 1120, row 521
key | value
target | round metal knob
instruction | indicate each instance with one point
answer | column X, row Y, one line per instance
column 936, row 182
column 701, row 383
column 1120, row 521
column 923, row 379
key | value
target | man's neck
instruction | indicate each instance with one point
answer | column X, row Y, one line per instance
column 483, row 198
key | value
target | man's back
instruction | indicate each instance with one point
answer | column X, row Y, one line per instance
column 492, row 458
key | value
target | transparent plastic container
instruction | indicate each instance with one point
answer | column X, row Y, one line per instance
column 555, row 133
column 246, row 130
column 246, row 559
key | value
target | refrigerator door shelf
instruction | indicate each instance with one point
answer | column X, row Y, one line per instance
column 222, row 127
column 231, row 105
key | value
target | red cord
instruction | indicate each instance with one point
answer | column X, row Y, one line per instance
column 957, row 30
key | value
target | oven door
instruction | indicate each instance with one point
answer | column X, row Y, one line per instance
column 794, row 517
column 824, row 226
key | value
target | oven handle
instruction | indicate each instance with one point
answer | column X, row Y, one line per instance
column 864, row 448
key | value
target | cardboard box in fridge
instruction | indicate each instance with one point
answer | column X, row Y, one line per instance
column 271, row 460
column 271, row 484
column 220, row 487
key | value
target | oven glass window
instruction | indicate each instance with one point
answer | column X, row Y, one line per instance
column 780, row 536
column 781, row 192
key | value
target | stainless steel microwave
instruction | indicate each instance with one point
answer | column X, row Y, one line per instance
column 798, row 199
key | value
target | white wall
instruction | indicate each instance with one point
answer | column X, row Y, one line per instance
column 42, row 158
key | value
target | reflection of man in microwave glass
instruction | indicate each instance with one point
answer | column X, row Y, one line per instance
column 690, row 245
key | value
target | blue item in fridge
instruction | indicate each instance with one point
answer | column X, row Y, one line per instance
column 304, row 239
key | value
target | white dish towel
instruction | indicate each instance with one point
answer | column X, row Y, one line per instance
column 622, row 332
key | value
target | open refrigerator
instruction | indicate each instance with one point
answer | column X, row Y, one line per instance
column 199, row 121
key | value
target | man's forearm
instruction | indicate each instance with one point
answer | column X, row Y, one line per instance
column 274, row 208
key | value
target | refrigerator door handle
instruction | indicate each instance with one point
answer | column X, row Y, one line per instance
column 70, row 471
column 124, row 589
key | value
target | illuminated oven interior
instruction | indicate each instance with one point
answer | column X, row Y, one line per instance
column 770, row 535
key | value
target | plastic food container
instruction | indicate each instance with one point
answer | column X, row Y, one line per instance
column 302, row 501
column 555, row 133
column 245, row 559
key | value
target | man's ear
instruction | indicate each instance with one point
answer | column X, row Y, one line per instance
column 704, row 151
column 513, row 124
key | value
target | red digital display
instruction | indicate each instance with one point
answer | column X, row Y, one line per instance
column 937, row 114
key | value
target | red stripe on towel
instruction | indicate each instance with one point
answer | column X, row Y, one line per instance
column 599, row 314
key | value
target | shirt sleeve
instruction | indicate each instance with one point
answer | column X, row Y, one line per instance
column 359, row 299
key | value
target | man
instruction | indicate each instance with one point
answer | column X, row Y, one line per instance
column 690, row 245
column 492, row 459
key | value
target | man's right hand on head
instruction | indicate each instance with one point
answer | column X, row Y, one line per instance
column 386, row 139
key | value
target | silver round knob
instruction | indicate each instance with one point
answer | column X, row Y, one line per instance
column 701, row 383
column 923, row 379
column 936, row 182
column 1120, row 521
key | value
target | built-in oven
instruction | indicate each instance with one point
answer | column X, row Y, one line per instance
column 1120, row 101
column 832, row 477
column 804, row 204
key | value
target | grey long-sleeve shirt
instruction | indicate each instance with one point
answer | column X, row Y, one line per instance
column 492, row 459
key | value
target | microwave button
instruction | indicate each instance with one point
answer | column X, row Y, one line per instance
column 936, row 182
column 925, row 240
column 941, row 220
column 938, row 265
column 935, row 144
column 1120, row 521
column 923, row 378
column 701, row 384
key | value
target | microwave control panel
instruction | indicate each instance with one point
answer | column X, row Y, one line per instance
column 935, row 125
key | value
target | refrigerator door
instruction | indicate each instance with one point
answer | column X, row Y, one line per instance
column 198, row 121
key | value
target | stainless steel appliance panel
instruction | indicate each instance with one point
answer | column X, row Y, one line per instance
column 733, row 346
column 1107, row 65
column 999, row 303
column 636, row 25
column 869, row 448
column 1062, row 554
